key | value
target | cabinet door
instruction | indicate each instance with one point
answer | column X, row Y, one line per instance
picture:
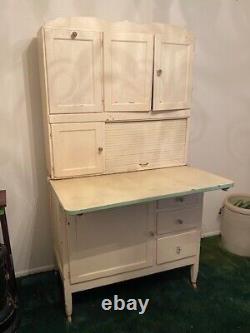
column 110, row 242
column 143, row 145
column 172, row 73
column 77, row 149
column 74, row 70
column 128, row 71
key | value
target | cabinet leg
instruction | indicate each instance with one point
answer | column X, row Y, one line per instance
column 68, row 303
column 194, row 274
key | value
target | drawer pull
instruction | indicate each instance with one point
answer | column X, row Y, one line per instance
column 73, row 35
column 179, row 221
column 143, row 164
column 178, row 249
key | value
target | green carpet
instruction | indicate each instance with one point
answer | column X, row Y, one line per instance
column 220, row 304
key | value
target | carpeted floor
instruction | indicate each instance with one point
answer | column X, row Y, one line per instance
column 220, row 304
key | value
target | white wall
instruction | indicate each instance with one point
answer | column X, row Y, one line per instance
column 220, row 133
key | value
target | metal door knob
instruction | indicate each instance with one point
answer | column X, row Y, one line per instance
column 178, row 249
column 74, row 34
column 159, row 72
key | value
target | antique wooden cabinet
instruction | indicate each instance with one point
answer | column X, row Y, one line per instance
column 116, row 100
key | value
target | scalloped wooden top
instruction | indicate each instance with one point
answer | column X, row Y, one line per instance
column 95, row 24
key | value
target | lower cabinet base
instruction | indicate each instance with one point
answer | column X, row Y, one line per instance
column 118, row 244
column 69, row 289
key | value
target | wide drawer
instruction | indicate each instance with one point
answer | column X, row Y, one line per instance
column 178, row 220
column 171, row 248
column 180, row 202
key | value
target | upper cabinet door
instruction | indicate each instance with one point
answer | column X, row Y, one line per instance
column 74, row 70
column 128, row 65
column 172, row 73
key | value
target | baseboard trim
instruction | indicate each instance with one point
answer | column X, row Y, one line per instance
column 36, row 270
column 210, row 234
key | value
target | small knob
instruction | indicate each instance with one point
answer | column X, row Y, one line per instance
column 74, row 34
column 178, row 249
column 151, row 233
column 179, row 199
column 159, row 72
column 100, row 149
column 179, row 221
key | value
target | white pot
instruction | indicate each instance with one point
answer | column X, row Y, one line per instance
column 235, row 226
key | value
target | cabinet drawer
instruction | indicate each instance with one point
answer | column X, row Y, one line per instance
column 180, row 202
column 171, row 248
column 178, row 220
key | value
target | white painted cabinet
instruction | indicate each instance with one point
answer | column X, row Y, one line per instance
column 116, row 99
column 74, row 67
column 77, row 149
column 172, row 72
column 128, row 71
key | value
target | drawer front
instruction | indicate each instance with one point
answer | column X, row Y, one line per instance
column 178, row 220
column 171, row 248
column 180, row 202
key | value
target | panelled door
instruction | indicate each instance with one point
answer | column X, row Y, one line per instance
column 74, row 70
column 172, row 73
column 77, row 149
column 128, row 65
column 110, row 242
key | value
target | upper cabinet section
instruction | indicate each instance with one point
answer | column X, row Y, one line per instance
column 74, row 70
column 172, row 72
column 128, row 71
column 90, row 65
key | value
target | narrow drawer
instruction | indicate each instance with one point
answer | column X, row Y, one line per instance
column 178, row 220
column 180, row 202
column 171, row 248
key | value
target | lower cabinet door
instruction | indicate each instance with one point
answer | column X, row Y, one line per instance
column 78, row 149
column 111, row 241
column 175, row 247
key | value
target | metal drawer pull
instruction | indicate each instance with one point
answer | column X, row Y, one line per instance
column 100, row 149
column 159, row 72
column 178, row 249
column 143, row 164
column 73, row 35
column 179, row 221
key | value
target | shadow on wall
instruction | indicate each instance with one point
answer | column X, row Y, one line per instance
column 41, row 228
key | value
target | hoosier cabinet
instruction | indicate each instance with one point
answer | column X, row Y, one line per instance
column 116, row 109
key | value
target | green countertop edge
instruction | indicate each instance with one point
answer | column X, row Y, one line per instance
column 133, row 202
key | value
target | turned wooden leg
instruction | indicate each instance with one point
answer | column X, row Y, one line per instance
column 194, row 274
column 68, row 302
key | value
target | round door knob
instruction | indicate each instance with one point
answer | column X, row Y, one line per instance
column 178, row 249
column 159, row 72
column 100, row 149
column 179, row 221
column 74, row 34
